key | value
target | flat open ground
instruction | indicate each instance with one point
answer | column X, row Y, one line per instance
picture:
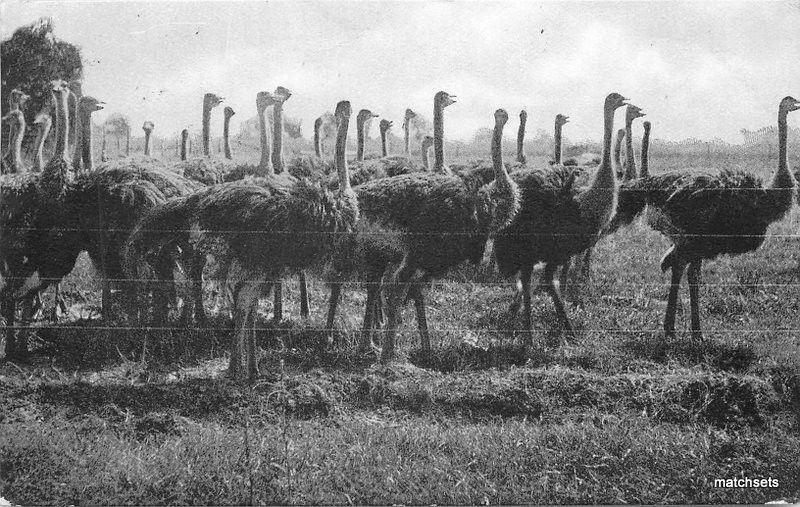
column 617, row 415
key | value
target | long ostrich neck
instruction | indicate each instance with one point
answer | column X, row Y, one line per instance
column 341, row 159
column 783, row 178
column 384, row 152
column 630, row 172
column 438, row 137
column 360, row 138
column 225, row 139
column 407, row 134
column 77, row 156
column 184, row 144
column 425, row 163
column 501, row 178
column 86, row 140
column 644, row 171
column 147, row 143
column 317, row 140
column 521, row 139
column 618, row 148
column 206, row 128
column 557, row 143
column 266, row 164
column 44, row 130
column 62, row 127
column 17, row 130
column 604, row 178
column 277, row 137
column 74, row 131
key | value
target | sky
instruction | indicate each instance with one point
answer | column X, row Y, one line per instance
column 698, row 69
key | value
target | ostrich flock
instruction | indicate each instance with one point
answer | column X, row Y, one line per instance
column 391, row 223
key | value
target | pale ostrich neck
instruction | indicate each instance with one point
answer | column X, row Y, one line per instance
column 502, row 180
column 384, row 151
column 277, row 137
column 74, row 130
column 425, row 148
column 521, row 139
column 147, row 143
column 77, row 153
column 266, row 164
column 206, row 128
column 317, row 140
column 438, row 137
column 225, row 140
column 360, row 135
column 17, row 131
column 630, row 171
column 62, row 127
column 184, row 143
column 341, row 158
column 44, row 130
column 644, row 170
column 618, row 148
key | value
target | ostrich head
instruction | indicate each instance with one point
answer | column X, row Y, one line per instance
column 444, row 99
column 789, row 104
column 17, row 98
column 184, row 134
column 59, row 85
column 646, row 126
column 263, row 101
column 211, row 100
column 385, row 125
column 43, row 117
column 427, row 142
column 409, row 116
column 148, row 127
column 365, row 115
column 229, row 112
column 614, row 101
column 88, row 104
column 318, row 123
column 561, row 119
column 500, row 117
column 633, row 112
column 523, row 116
column 343, row 110
column 282, row 94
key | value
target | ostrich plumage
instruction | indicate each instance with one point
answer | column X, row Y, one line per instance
column 443, row 221
column 556, row 221
column 264, row 235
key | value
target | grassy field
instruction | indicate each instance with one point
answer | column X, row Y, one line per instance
column 616, row 415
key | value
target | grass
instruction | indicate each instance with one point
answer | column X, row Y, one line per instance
column 616, row 415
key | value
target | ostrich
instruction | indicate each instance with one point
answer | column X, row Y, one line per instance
column 631, row 113
column 410, row 115
column 523, row 120
column 317, row 138
column 644, row 171
column 617, row 160
column 86, row 106
column 560, row 121
column 707, row 215
column 98, row 209
column 427, row 142
column 444, row 220
column 229, row 112
column 148, row 127
column 273, row 233
column 166, row 230
column 385, row 125
column 45, row 122
column 184, row 143
column 362, row 118
column 556, row 222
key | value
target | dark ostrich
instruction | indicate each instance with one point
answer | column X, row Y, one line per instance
column 444, row 221
column 263, row 235
column 165, row 235
column 707, row 215
column 555, row 221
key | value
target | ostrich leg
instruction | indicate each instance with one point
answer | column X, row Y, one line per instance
column 336, row 291
column 672, row 301
column 550, row 285
column 277, row 304
column 369, row 318
column 693, row 274
column 525, row 284
column 303, row 295
column 415, row 292
column 398, row 290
